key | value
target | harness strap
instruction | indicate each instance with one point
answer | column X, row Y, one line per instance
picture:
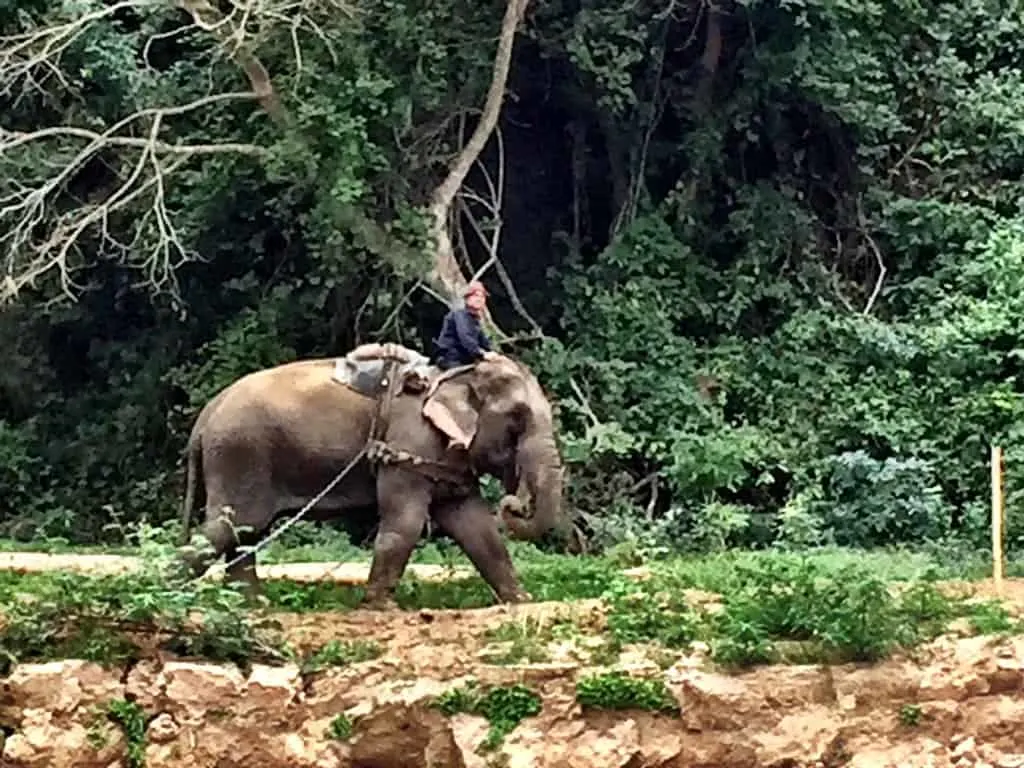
column 379, row 453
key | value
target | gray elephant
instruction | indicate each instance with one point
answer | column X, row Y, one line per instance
column 270, row 442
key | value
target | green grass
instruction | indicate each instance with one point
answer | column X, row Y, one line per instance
column 504, row 707
column 616, row 691
column 825, row 604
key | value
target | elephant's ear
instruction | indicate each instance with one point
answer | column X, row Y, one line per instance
column 461, row 403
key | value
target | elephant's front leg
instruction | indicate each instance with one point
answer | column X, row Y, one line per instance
column 470, row 522
column 403, row 503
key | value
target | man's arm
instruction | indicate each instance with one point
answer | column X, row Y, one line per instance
column 469, row 337
column 482, row 339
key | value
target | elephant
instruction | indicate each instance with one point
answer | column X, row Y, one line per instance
column 269, row 442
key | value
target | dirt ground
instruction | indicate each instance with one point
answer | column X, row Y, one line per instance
column 339, row 573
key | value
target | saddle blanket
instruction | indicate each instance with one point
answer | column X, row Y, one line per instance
column 364, row 368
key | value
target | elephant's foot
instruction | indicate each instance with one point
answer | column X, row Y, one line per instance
column 188, row 564
column 250, row 589
column 379, row 601
column 517, row 595
column 242, row 577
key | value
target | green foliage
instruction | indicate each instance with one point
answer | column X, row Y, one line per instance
column 848, row 615
column 835, row 606
column 640, row 612
column 340, row 728
column 910, row 715
column 338, row 653
column 526, row 641
column 105, row 618
column 504, row 707
column 992, row 618
column 616, row 690
column 783, row 609
column 132, row 720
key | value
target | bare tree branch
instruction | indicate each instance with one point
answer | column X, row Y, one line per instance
column 492, row 206
column 24, row 53
column 12, row 139
column 25, row 210
column 862, row 221
column 445, row 272
column 39, row 232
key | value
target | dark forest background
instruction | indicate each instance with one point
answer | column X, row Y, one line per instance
column 768, row 256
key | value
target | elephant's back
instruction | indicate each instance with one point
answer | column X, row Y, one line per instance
column 297, row 401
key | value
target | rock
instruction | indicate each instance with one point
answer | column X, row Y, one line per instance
column 469, row 731
column 921, row 752
column 966, row 749
column 403, row 731
column 270, row 690
column 995, row 719
column 613, row 748
column 336, row 690
column 861, row 689
column 967, row 694
column 163, row 729
column 527, row 674
column 801, row 737
column 45, row 742
column 145, row 685
column 194, row 690
column 714, row 702
column 57, row 687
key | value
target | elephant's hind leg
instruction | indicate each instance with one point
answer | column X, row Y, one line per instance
column 475, row 529
column 237, row 518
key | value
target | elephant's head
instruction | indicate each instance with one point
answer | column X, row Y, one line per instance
column 502, row 406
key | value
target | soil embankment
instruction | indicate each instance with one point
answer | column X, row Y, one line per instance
column 958, row 701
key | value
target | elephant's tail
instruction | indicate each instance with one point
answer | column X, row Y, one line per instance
column 193, row 479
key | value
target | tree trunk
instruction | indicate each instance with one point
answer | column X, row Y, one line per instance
column 446, row 275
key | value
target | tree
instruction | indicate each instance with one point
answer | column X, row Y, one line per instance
column 98, row 185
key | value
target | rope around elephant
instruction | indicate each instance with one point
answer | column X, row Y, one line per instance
column 374, row 449
column 298, row 515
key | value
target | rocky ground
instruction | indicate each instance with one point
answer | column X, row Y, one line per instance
column 957, row 702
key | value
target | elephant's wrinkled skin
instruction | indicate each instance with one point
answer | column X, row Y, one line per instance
column 271, row 441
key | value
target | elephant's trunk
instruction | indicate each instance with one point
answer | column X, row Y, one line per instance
column 539, row 491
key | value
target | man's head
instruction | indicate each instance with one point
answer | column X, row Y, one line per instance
column 476, row 297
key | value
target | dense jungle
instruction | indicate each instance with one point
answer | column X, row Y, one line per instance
column 766, row 256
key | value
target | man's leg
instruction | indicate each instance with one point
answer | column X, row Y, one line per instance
column 440, row 418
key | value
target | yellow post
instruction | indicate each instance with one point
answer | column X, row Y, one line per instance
column 997, row 519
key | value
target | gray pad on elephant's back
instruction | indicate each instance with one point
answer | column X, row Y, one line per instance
column 367, row 377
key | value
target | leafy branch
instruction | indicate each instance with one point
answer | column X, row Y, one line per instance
column 45, row 229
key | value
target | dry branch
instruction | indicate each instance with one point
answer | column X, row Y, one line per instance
column 862, row 221
column 21, row 55
column 492, row 205
column 446, row 273
column 232, row 36
column 26, row 210
column 40, row 238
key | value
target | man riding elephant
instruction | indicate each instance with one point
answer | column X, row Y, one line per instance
column 462, row 341
column 274, row 442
